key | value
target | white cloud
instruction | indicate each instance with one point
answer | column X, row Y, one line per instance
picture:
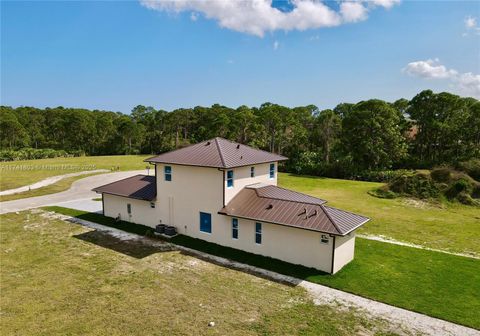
column 471, row 25
column 258, row 17
column 429, row 69
column 194, row 16
column 385, row 3
column 353, row 11
column 470, row 22
column 467, row 83
column 276, row 45
column 230, row 61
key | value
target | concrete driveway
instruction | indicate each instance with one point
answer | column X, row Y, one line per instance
column 80, row 190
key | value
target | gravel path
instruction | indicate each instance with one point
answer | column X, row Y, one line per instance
column 408, row 320
column 48, row 181
column 389, row 240
column 80, row 190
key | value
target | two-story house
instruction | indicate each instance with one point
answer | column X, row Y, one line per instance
column 226, row 193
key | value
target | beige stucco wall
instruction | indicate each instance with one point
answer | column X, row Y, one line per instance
column 296, row 246
column 242, row 178
column 344, row 251
column 142, row 213
column 191, row 191
column 199, row 189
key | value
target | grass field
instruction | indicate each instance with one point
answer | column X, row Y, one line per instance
column 432, row 283
column 19, row 173
column 63, row 279
column 451, row 227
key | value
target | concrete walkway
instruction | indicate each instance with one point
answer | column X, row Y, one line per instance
column 48, row 181
column 389, row 240
column 80, row 190
column 408, row 320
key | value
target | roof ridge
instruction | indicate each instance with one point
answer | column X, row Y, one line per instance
column 294, row 191
column 352, row 213
column 331, row 219
column 258, row 149
column 174, row 150
column 220, row 152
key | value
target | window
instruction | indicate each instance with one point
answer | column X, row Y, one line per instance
column 129, row 208
column 234, row 228
column 152, row 205
column 205, row 222
column 324, row 239
column 168, row 173
column 272, row 170
column 230, row 179
column 252, row 171
column 258, row 233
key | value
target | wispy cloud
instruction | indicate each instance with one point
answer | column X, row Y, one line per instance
column 471, row 25
column 276, row 44
column 256, row 17
column 467, row 82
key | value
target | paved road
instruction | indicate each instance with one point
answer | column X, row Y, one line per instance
column 48, row 181
column 80, row 190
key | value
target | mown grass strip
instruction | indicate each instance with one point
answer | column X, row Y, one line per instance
column 433, row 283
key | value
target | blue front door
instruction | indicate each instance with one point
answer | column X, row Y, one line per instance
column 205, row 222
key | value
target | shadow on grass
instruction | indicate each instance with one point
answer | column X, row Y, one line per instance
column 139, row 251
column 133, row 248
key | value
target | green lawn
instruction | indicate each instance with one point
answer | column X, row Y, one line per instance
column 20, row 173
column 433, row 283
column 450, row 227
column 60, row 278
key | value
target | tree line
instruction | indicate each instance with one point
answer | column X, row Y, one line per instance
column 429, row 130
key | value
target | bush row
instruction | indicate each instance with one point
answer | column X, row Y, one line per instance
column 441, row 183
column 35, row 154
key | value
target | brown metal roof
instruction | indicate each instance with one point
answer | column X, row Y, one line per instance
column 274, row 192
column 217, row 153
column 141, row 187
column 281, row 206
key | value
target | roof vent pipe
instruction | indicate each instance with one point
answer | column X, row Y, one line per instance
column 208, row 143
column 238, row 146
column 270, row 206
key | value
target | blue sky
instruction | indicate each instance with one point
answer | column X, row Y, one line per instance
column 115, row 55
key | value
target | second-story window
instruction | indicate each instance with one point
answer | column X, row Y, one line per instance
column 252, row 171
column 168, row 173
column 272, row 170
column 230, row 179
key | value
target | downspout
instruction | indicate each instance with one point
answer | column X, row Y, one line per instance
column 103, row 205
column 333, row 254
column 223, row 186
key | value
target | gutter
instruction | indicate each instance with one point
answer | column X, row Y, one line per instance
column 333, row 254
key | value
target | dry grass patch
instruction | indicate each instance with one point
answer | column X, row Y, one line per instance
column 60, row 278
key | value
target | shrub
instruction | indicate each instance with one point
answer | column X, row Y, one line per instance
column 443, row 174
column 382, row 175
column 466, row 199
column 35, row 154
column 419, row 185
column 459, row 186
column 471, row 167
column 476, row 191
